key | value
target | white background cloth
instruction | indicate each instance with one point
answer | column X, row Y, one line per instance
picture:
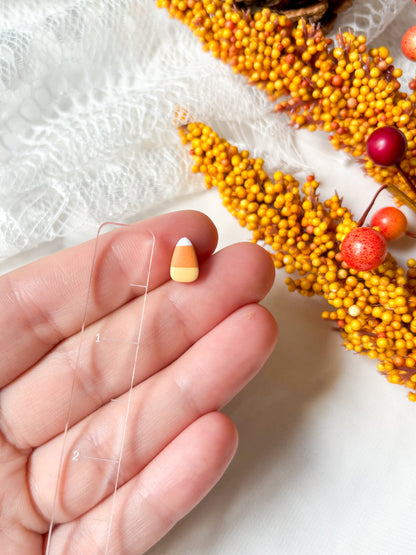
column 327, row 456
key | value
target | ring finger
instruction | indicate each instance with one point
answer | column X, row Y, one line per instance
column 112, row 445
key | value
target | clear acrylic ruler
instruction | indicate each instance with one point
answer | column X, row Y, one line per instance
column 121, row 346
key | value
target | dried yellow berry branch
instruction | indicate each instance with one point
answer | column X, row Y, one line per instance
column 346, row 90
column 375, row 311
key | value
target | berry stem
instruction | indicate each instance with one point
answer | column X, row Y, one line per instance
column 369, row 207
column 406, row 178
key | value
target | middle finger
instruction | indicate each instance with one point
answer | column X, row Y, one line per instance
column 176, row 317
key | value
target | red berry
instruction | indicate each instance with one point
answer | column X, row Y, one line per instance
column 386, row 146
column 391, row 222
column 363, row 248
column 409, row 43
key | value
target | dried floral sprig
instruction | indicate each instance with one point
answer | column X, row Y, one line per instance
column 345, row 90
column 374, row 310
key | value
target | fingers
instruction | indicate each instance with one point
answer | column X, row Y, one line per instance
column 206, row 377
column 176, row 317
column 44, row 302
column 153, row 501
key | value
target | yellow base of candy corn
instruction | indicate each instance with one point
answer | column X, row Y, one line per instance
column 184, row 275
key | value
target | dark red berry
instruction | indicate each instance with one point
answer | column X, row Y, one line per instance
column 391, row 222
column 386, row 146
column 363, row 248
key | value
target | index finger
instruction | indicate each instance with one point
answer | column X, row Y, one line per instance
column 44, row 302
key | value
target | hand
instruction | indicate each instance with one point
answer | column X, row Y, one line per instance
column 201, row 343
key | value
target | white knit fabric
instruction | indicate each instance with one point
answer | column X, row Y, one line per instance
column 88, row 95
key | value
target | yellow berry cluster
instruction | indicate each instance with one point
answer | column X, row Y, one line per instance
column 345, row 89
column 375, row 311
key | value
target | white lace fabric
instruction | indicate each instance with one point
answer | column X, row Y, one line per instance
column 88, row 95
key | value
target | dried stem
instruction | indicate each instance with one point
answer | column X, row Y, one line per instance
column 369, row 207
column 406, row 178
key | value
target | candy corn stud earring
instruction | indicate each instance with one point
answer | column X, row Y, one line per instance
column 184, row 265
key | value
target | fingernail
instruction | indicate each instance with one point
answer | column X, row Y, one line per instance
column 184, row 264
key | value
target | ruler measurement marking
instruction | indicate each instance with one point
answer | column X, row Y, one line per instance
column 100, row 459
column 101, row 339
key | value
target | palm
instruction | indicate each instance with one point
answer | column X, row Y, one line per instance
column 200, row 344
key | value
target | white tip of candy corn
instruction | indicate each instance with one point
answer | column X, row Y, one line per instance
column 184, row 266
column 184, row 242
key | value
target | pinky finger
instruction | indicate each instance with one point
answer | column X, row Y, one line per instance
column 151, row 503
